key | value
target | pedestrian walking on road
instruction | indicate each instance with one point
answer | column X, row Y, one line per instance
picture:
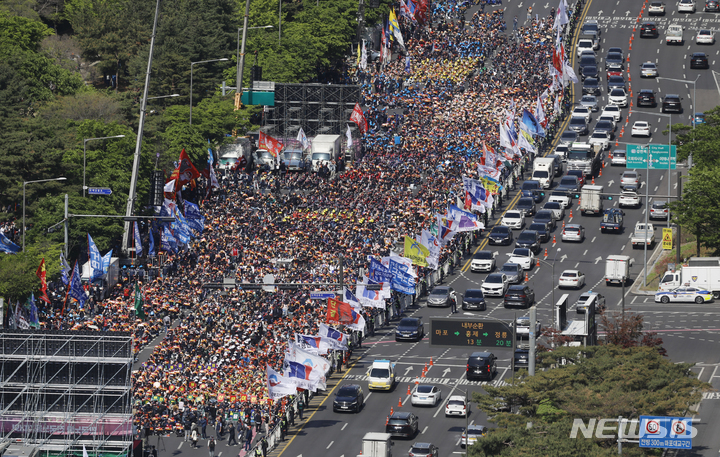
column 211, row 447
column 203, row 428
column 231, row 435
column 248, row 438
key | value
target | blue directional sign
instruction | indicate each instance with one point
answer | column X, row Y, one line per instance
column 99, row 191
column 321, row 295
column 660, row 155
column 666, row 432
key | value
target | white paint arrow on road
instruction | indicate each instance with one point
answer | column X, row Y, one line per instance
column 446, row 371
column 408, row 370
column 627, row 13
column 600, row 13
column 564, row 256
column 597, row 260
column 610, row 183
column 547, row 5
column 497, row 253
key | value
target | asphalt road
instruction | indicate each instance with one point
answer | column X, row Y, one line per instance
column 689, row 331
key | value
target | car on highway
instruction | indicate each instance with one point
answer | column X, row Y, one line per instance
column 546, row 216
column 579, row 125
column 482, row 261
column 557, row 209
column 410, row 328
column 529, row 239
column 585, row 44
column 648, row 30
column 513, row 273
column 698, row 119
column 456, row 406
column 612, row 220
column 646, row 97
column 618, row 97
column 699, row 60
column 659, row 210
column 579, row 175
column 618, row 157
column 589, row 71
column 523, row 257
column 612, row 110
column 589, row 101
column 474, row 300
column 587, row 61
column 573, row 232
column 641, row 128
column 526, row 205
column 426, row 395
column 581, row 305
column 705, row 36
column 522, row 328
column 601, row 138
column 472, row 434
column 495, row 285
column 591, row 27
column 629, row 198
column 672, row 104
column 648, row 70
column 569, row 184
column 606, row 126
column 519, row 295
column 571, row 278
column 614, row 61
column 441, row 296
column 684, row 294
column 615, row 82
column 561, row 151
column 533, row 189
column 501, row 235
column 402, row 424
column 583, row 112
column 349, row 398
column 513, row 219
column 616, row 49
column 481, row 366
column 591, row 86
column 712, row 5
column 656, row 8
column 543, row 230
column 423, row 450
column 686, row 6
column 563, row 197
column 608, row 118
column 630, row 178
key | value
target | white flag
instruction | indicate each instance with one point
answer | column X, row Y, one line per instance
column 349, row 137
column 363, row 57
column 561, row 17
column 278, row 385
column 303, row 139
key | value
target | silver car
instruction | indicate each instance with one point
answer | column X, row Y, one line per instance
column 513, row 271
column 573, row 232
column 648, row 70
column 659, row 210
column 618, row 157
column 589, row 101
column 630, row 178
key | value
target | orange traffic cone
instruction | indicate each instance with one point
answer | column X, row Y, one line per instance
column 593, row 180
column 409, row 392
column 417, row 381
column 391, row 411
column 563, row 229
column 431, row 362
column 571, row 210
column 526, row 277
column 399, row 402
column 425, row 369
column 546, row 252
column 537, row 264
column 600, row 175
column 387, row 419
column 554, row 239
column 423, row 374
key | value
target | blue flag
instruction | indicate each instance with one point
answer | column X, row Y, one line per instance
column 64, row 269
column 180, row 228
column 8, row 246
column 95, row 259
column 379, row 272
column 76, row 289
column 151, row 249
column 531, row 125
column 138, row 241
column 195, row 219
column 34, row 319
column 168, row 241
column 106, row 261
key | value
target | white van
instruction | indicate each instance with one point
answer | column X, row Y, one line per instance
column 544, row 171
column 381, row 375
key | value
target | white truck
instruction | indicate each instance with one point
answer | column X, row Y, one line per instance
column 324, row 148
column 586, row 157
column 376, row 444
column 544, row 171
column 674, row 34
column 591, row 200
column 701, row 272
column 617, row 269
column 238, row 151
column 644, row 234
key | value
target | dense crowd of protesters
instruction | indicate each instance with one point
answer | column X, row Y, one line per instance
column 206, row 374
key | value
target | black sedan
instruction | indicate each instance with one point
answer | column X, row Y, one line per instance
column 349, row 398
column 402, row 424
column 410, row 328
column 591, row 86
column 474, row 300
column 441, row 296
column 501, row 235
column 648, row 30
column 543, row 229
column 699, row 60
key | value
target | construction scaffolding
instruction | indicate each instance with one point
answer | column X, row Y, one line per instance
column 62, row 390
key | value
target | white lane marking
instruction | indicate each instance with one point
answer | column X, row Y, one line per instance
column 331, row 443
column 343, row 427
column 425, row 429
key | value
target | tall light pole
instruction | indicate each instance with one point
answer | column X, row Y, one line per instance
column 24, row 184
column 241, row 53
column 552, row 283
column 191, row 79
column 669, row 116
column 692, row 113
column 647, row 186
column 85, row 154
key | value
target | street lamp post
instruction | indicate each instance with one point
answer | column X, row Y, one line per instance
column 669, row 116
column 241, row 53
column 24, row 184
column 647, row 186
column 85, row 154
column 552, row 285
column 191, row 79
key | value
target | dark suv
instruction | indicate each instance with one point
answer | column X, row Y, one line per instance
column 349, row 398
column 646, row 97
column 522, row 359
column 402, row 424
column 501, row 235
column 591, row 86
column 526, row 205
column 482, row 365
column 671, row 104
column 614, row 61
column 519, row 295
column 712, row 5
column 529, row 239
column 699, row 60
column 648, row 30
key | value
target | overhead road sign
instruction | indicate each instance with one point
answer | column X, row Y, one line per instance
column 99, row 191
column 637, row 156
column 321, row 295
column 470, row 333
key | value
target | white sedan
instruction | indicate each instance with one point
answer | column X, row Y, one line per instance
column 495, row 284
column 571, row 278
column 426, row 395
column 684, row 294
column 523, row 257
column 641, row 128
column 513, row 219
column 583, row 112
column 612, row 110
column 601, row 138
column 705, row 37
column 618, row 97
column 686, row 6
column 456, row 406
column 629, row 198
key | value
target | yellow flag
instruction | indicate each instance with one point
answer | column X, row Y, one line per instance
column 358, row 59
column 416, row 252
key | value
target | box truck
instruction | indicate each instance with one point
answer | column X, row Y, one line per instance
column 617, row 269
column 324, row 148
column 591, row 200
column 376, row 445
column 700, row 272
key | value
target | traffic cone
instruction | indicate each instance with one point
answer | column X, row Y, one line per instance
column 391, row 411
column 425, row 369
column 593, row 180
column 431, row 362
column 563, row 229
column 423, row 374
column 409, row 392
column 387, row 419
column 537, row 264
column 554, row 239
column 399, row 402
column 600, row 175
column 545, row 252
column 571, row 210
column 526, row 277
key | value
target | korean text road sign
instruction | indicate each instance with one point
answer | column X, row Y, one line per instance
column 470, row 332
column 321, row 295
column 667, row 238
column 637, row 156
column 99, row 191
column 666, row 432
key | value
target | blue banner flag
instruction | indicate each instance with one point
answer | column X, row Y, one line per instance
column 531, row 125
column 106, row 261
column 168, row 241
column 180, row 228
column 64, row 269
column 95, row 259
column 8, row 246
column 151, row 248
column 379, row 272
column 138, row 240
column 194, row 217
column 76, row 289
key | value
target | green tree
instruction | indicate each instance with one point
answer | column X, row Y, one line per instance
column 17, row 271
column 588, row 383
column 703, row 142
column 699, row 209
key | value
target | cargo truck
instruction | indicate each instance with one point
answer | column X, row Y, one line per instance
column 586, row 157
column 644, row 234
column 617, row 269
column 591, row 200
column 376, row 445
column 700, row 272
column 324, row 148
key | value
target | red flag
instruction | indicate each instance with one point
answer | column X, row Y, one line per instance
column 185, row 171
column 42, row 274
column 340, row 312
column 358, row 118
column 269, row 144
